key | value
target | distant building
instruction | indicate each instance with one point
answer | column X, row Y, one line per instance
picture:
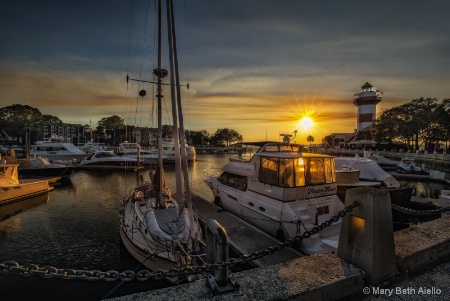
column 366, row 102
column 145, row 136
column 341, row 140
column 73, row 131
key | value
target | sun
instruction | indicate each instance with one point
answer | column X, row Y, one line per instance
column 306, row 123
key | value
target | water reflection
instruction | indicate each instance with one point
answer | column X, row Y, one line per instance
column 78, row 227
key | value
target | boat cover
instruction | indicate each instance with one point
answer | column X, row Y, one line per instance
column 369, row 170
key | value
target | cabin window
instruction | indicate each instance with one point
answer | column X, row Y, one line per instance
column 299, row 165
column 268, row 173
column 330, row 176
column 316, row 171
column 322, row 210
column 286, row 173
column 234, row 181
column 296, row 172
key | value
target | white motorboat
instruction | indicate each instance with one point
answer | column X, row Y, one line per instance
column 347, row 178
column 169, row 152
column 383, row 162
column 57, row 149
column 135, row 151
column 108, row 160
column 13, row 189
column 369, row 170
column 407, row 165
column 282, row 191
column 159, row 229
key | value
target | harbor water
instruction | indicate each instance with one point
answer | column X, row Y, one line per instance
column 77, row 227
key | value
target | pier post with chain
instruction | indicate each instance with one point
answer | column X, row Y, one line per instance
column 217, row 252
column 367, row 237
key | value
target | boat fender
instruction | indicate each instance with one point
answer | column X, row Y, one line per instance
column 218, row 201
column 280, row 235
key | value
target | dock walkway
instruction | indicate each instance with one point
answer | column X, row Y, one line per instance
column 243, row 238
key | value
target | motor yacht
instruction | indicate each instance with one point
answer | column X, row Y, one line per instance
column 282, row 190
column 57, row 149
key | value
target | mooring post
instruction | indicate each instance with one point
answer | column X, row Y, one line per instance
column 367, row 237
column 217, row 252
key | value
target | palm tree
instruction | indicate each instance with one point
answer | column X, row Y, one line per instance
column 310, row 139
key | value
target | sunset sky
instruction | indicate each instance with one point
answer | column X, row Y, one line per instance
column 256, row 66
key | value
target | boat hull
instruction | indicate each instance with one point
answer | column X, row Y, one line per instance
column 143, row 250
column 281, row 220
column 27, row 188
column 63, row 171
column 60, row 157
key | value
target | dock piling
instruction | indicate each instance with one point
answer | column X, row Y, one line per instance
column 367, row 236
column 217, row 252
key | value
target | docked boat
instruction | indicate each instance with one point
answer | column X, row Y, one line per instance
column 9, row 210
column 159, row 229
column 282, row 191
column 369, row 170
column 444, row 200
column 135, row 150
column 92, row 147
column 108, row 160
column 57, row 149
column 169, row 152
column 407, row 165
column 348, row 178
column 13, row 189
column 383, row 162
column 39, row 167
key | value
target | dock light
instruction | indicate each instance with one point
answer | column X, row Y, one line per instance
column 356, row 230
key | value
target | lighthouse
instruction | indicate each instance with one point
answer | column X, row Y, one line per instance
column 366, row 102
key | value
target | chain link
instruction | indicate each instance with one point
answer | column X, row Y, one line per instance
column 144, row 275
column 418, row 212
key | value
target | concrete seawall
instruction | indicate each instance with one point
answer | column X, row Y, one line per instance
column 328, row 277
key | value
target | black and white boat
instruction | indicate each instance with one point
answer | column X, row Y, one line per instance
column 108, row 160
column 39, row 167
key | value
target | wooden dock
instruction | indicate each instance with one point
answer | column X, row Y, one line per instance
column 243, row 238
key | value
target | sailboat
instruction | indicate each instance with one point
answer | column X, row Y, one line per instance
column 158, row 228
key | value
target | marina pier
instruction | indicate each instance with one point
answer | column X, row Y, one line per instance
column 378, row 262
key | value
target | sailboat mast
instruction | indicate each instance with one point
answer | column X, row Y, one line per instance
column 176, row 135
column 160, row 74
column 180, row 115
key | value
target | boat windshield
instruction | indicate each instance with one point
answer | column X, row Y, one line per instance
column 297, row 172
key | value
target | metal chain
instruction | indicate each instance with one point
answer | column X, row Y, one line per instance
column 144, row 275
column 418, row 212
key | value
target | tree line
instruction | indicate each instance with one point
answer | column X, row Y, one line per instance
column 422, row 123
column 27, row 123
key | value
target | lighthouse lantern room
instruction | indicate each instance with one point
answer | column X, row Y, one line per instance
column 366, row 102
